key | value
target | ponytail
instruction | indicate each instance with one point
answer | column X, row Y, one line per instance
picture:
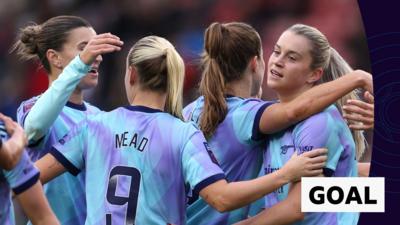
column 228, row 49
column 212, row 85
column 336, row 68
column 175, row 74
column 160, row 68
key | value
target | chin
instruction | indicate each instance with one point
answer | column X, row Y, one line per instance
column 272, row 84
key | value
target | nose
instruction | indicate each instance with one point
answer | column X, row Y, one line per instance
column 99, row 58
column 279, row 62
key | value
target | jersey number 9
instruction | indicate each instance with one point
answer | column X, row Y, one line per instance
column 131, row 200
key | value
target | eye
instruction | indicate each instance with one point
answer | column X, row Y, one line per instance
column 276, row 52
column 292, row 58
column 82, row 46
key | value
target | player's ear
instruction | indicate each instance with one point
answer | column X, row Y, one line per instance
column 253, row 64
column 54, row 58
column 315, row 76
column 133, row 75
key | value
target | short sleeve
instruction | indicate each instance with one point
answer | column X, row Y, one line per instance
column 69, row 150
column 319, row 131
column 246, row 120
column 199, row 169
column 23, row 176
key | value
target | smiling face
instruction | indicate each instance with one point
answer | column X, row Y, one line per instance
column 76, row 42
column 289, row 66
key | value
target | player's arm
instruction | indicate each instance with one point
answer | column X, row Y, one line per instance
column 36, row 207
column 224, row 196
column 281, row 115
column 49, row 168
column 285, row 212
column 47, row 108
column 359, row 114
column 363, row 169
column 11, row 150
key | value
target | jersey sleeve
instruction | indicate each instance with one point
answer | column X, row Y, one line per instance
column 39, row 118
column 70, row 149
column 188, row 111
column 246, row 120
column 23, row 176
column 319, row 131
column 199, row 168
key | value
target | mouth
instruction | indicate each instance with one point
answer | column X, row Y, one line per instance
column 275, row 74
column 93, row 71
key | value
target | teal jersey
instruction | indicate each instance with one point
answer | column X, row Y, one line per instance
column 46, row 120
column 19, row 179
column 65, row 193
column 237, row 145
column 323, row 130
column 140, row 164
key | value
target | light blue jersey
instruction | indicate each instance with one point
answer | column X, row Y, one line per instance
column 238, row 147
column 140, row 164
column 23, row 176
column 323, row 130
column 66, row 193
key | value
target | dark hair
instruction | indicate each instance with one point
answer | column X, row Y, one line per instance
column 228, row 49
column 35, row 40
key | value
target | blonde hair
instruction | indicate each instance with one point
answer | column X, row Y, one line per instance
column 334, row 66
column 160, row 68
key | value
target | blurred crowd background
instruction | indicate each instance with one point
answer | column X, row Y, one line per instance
column 180, row 21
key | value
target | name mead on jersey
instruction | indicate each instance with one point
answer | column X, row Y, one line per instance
column 127, row 139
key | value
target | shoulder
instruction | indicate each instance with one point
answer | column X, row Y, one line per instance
column 92, row 109
column 191, row 111
column 248, row 104
column 26, row 105
column 325, row 120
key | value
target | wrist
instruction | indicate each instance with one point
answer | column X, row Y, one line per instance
column 284, row 176
column 83, row 59
column 361, row 79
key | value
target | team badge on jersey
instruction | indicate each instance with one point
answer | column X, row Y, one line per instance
column 210, row 153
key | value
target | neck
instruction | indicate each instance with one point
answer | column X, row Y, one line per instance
column 240, row 88
column 149, row 99
column 76, row 96
column 290, row 95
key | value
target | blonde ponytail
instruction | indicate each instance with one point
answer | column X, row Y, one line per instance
column 160, row 68
column 336, row 68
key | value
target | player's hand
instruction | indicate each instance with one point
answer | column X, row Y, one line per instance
column 98, row 45
column 359, row 114
column 305, row 165
column 367, row 80
column 18, row 139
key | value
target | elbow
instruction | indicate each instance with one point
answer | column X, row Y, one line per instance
column 32, row 131
column 299, row 216
column 222, row 205
column 222, row 208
